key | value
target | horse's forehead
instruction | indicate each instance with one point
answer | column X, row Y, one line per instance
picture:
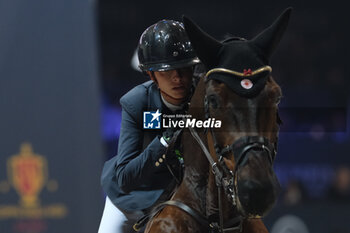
column 241, row 55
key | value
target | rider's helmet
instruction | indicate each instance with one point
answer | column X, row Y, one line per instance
column 165, row 46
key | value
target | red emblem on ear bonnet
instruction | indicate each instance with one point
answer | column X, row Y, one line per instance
column 246, row 84
column 247, row 72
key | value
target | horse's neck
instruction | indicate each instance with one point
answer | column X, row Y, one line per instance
column 193, row 188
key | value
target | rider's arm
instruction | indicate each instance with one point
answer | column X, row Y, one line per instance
column 134, row 165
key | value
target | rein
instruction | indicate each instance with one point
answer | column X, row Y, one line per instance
column 218, row 181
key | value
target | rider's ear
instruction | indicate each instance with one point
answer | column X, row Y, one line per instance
column 152, row 76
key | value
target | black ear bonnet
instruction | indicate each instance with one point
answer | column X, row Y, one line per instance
column 243, row 65
column 245, row 80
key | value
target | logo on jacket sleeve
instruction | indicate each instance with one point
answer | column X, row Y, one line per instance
column 151, row 119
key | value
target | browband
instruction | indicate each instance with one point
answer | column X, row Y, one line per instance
column 244, row 74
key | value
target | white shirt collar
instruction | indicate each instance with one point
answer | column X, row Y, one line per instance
column 172, row 107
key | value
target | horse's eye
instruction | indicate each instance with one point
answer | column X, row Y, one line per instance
column 213, row 101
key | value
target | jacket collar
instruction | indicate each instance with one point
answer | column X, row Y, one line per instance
column 154, row 99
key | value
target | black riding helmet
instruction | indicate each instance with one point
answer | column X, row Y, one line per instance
column 165, row 46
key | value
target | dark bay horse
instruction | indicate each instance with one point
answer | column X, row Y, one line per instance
column 229, row 182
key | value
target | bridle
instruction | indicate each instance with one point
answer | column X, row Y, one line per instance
column 225, row 178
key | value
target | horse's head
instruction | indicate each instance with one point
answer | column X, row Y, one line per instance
column 240, row 91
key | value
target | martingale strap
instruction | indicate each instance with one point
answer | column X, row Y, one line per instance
column 203, row 221
column 236, row 222
column 197, row 216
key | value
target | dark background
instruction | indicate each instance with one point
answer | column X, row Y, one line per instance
column 312, row 54
column 65, row 64
column 50, row 99
column 310, row 65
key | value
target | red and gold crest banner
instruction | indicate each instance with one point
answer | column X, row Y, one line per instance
column 28, row 174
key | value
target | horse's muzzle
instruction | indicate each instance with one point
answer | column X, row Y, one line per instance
column 257, row 184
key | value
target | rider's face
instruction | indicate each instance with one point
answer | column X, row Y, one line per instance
column 175, row 85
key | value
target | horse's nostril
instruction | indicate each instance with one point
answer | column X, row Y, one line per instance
column 257, row 197
column 251, row 186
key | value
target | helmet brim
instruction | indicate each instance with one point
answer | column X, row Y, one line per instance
column 164, row 66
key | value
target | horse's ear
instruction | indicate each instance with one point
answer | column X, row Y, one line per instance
column 268, row 39
column 205, row 46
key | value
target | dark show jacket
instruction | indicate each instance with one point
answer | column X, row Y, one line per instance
column 134, row 179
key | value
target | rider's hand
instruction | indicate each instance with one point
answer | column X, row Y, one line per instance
column 168, row 135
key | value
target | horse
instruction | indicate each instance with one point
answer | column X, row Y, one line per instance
column 228, row 182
